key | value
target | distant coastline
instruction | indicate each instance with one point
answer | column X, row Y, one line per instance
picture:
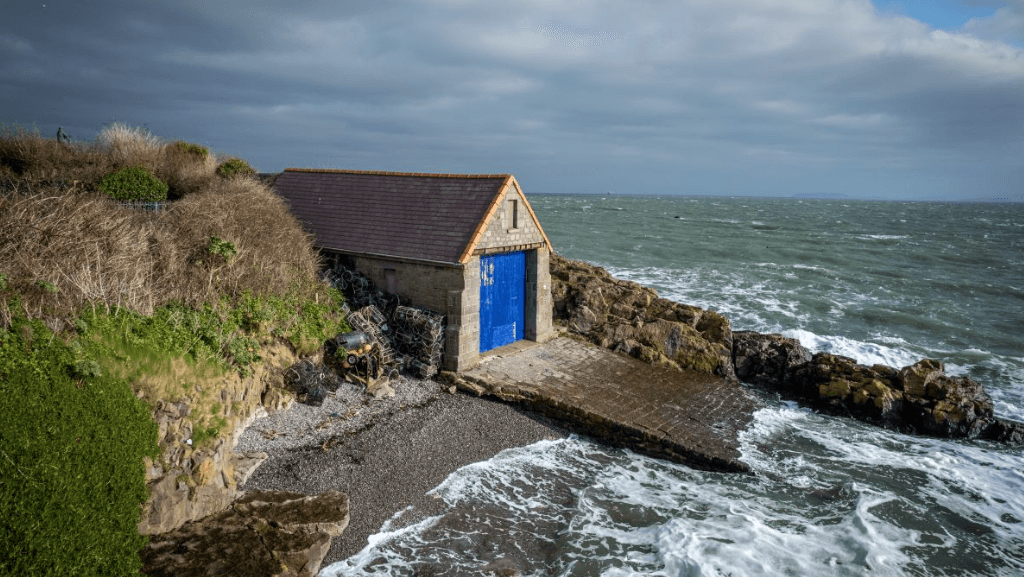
column 802, row 196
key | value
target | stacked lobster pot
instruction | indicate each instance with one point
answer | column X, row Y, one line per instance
column 419, row 338
column 408, row 339
column 360, row 291
column 311, row 382
column 370, row 321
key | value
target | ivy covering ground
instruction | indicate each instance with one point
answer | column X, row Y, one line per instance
column 71, row 461
column 74, row 433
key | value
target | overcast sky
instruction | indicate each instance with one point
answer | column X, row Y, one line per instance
column 890, row 100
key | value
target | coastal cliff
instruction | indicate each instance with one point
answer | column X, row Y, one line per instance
column 189, row 482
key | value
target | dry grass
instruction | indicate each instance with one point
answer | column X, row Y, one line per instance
column 126, row 145
column 64, row 246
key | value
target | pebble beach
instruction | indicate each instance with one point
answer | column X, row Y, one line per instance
column 386, row 453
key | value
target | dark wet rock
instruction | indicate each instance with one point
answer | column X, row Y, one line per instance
column 914, row 379
column 629, row 318
column 263, row 533
column 918, row 398
column 1007, row 432
column 766, row 359
column 944, row 406
column 840, row 385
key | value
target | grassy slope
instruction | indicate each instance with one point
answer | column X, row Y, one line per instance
column 105, row 311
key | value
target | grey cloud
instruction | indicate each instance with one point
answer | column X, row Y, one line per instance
column 742, row 95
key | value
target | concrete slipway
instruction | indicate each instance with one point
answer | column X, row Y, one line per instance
column 687, row 417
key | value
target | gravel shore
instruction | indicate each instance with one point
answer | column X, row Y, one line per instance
column 384, row 453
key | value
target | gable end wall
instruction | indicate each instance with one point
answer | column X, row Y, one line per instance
column 500, row 233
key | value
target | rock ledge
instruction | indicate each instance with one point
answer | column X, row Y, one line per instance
column 264, row 533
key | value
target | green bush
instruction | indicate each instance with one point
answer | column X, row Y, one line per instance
column 234, row 167
column 71, row 460
column 196, row 150
column 134, row 183
column 222, row 248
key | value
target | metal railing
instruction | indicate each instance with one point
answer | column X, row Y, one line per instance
column 142, row 205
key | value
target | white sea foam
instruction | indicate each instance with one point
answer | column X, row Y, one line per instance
column 830, row 497
column 882, row 236
column 965, row 484
column 1009, row 410
column 374, row 552
column 865, row 353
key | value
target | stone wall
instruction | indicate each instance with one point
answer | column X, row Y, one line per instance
column 454, row 290
column 462, row 334
column 539, row 325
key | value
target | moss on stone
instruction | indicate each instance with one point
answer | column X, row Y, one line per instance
column 835, row 389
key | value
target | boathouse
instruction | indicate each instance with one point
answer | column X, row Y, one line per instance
column 468, row 246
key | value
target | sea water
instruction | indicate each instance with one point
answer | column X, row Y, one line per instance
column 882, row 282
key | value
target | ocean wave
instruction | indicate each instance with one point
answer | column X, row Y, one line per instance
column 375, row 554
column 1009, row 410
column 971, row 488
column 830, row 497
column 882, row 236
column 865, row 353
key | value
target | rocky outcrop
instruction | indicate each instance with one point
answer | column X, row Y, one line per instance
column 919, row 398
column 194, row 479
column 629, row 318
column 839, row 385
column 263, row 533
column 766, row 359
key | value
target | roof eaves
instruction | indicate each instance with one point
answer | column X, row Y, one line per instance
column 390, row 173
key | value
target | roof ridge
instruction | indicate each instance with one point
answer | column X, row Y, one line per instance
column 391, row 173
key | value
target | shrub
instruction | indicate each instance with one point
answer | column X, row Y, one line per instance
column 233, row 167
column 190, row 149
column 134, row 183
column 72, row 445
column 222, row 248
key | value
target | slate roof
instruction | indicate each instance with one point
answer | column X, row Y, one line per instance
column 433, row 217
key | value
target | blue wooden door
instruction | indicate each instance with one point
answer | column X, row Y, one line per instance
column 502, row 299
